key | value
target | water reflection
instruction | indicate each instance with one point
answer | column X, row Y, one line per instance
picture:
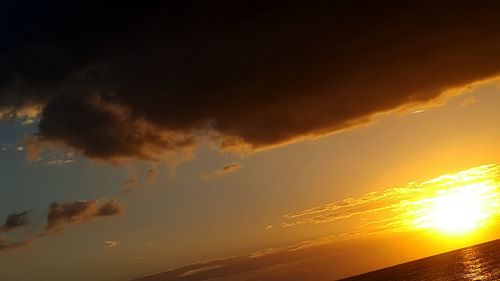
column 475, row 266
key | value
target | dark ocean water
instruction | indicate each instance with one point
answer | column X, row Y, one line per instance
column 480, row 262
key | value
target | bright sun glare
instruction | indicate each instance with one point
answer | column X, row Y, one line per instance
column 458, row 210
column 460, row 203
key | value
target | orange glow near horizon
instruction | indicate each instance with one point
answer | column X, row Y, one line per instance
column 460, row 204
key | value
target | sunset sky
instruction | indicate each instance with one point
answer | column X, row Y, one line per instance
column 245, row 141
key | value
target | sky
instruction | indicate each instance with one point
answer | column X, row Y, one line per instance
column 244, row 142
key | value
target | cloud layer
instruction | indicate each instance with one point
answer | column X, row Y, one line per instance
column 151, row 79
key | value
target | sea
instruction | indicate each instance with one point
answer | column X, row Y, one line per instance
column 479, row 262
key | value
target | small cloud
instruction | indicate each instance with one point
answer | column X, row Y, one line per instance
column 15, row 220
column 80, row 211
column 222, row 171
column 20, row 148
column 111, row 243
column 231, row 167
column 418, row 111
column 28, row 121
column 59, row 162
column 268, row 227
column 199, row 270
column 4, row 146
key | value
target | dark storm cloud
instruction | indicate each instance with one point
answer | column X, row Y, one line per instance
column 80, row 211
column 132, row 81
column 15, row 220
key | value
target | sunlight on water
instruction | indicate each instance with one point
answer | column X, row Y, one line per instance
column 474, row 265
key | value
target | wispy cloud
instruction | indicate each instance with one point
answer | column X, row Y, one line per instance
column 397, row 209
column 59, row 162
column 111, row 243
column 222, row 171
column 307, row 260
column 5, row 146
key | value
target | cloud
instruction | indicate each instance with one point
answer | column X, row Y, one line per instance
column 80, row 211
column 114, row 132
column 222, row 171
column 58, row 215
column 401, row 208
column 59, row 162
column 5, row 146
column 15, row 220
column 109, row 208
column 111, row 243
column 70, row 213
column 390, row 211
column 151, row 80
column 199, row 270
column 322, row 260
column 310, row 260
column 24, row 112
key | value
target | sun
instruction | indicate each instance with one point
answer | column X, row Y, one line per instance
column 458, row 211
column 457, row 204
